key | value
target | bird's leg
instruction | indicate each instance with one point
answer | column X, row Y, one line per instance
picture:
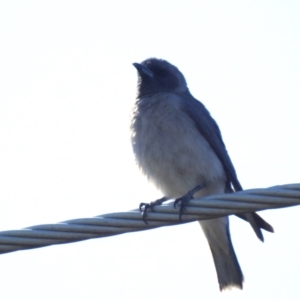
column 186, row 198
column 145, row 206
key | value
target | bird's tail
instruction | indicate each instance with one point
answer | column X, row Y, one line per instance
column 227, row 266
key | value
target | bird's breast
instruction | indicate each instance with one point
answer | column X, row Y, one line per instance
column 170, row 150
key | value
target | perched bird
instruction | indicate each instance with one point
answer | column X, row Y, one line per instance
column 179, row 147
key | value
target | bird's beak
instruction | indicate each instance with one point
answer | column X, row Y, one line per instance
column 143, row 70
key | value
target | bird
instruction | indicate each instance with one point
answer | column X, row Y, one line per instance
column 178, row 146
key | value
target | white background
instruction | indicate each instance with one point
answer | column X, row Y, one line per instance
column 67, row 86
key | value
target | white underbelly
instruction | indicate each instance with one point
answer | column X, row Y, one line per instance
column 173, row 154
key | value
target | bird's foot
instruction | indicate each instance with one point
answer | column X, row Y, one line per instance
column 146, row 206
column 182, row 201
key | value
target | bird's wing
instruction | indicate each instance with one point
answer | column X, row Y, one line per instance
column 208, row 127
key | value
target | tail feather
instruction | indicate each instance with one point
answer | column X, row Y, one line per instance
column 227, row 266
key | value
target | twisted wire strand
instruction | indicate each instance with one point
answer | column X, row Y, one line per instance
column 117, row 223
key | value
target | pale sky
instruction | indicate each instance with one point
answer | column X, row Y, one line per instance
column 67, row 87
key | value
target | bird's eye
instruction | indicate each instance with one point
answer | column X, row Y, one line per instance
column 162, row 73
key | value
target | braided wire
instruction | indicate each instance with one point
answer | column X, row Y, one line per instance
column 165, row 215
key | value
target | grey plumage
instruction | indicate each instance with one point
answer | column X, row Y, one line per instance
column 178, row 146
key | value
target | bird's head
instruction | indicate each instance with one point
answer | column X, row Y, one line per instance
column 158, row 75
